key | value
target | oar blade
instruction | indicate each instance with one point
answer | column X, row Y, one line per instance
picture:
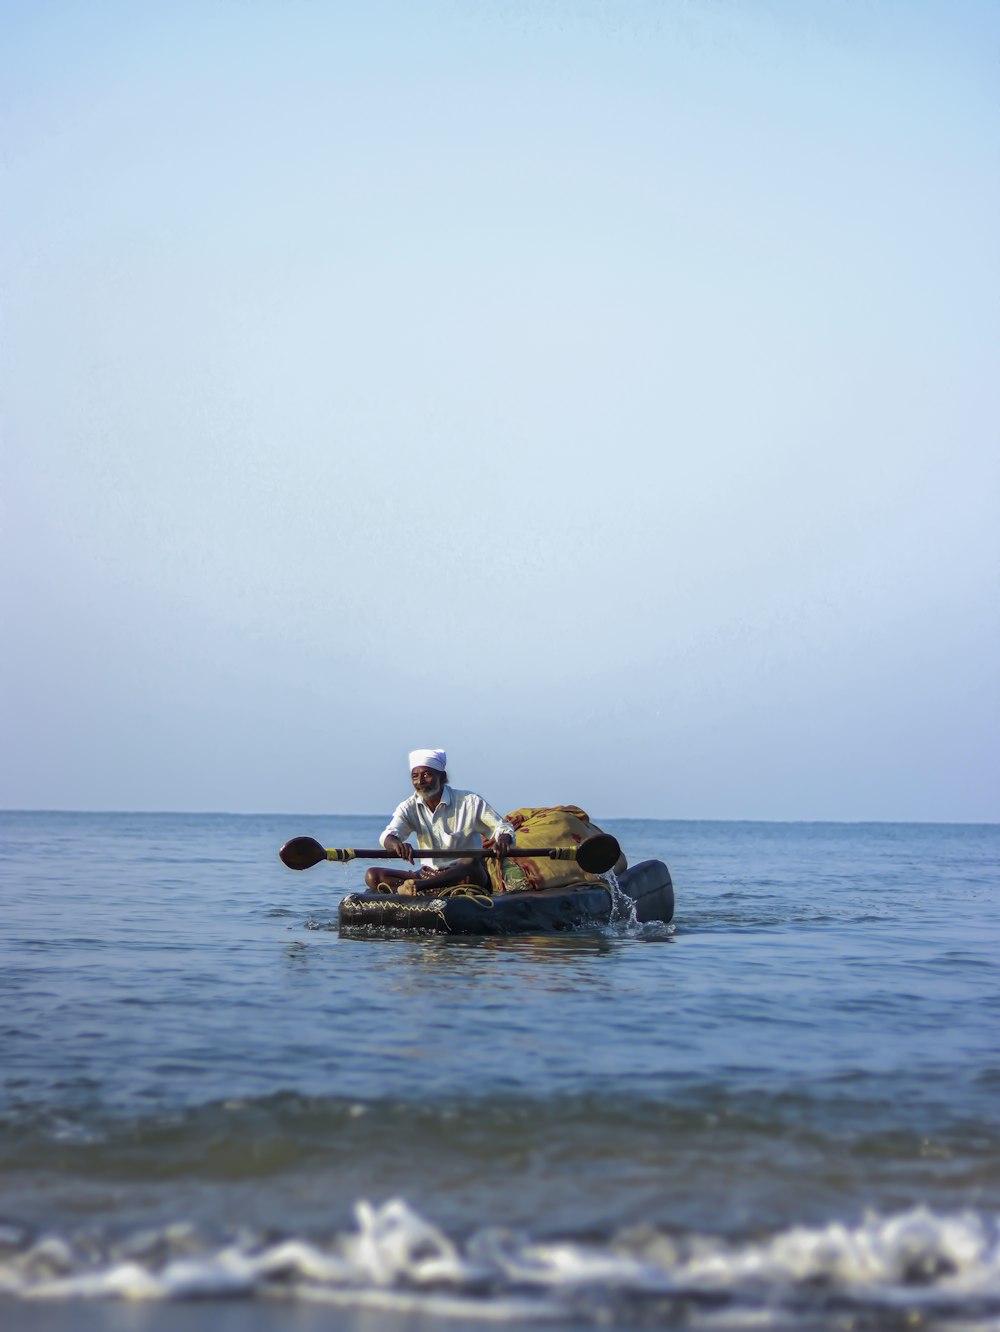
column 302, row 853
column 598, row 854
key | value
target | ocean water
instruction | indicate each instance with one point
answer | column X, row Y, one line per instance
column 782, row 1111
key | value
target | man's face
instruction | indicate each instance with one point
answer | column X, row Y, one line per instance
column 426, row 781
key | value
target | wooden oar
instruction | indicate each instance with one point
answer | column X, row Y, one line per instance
column 595, row 855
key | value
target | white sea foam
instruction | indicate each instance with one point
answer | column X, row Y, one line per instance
column 916, row 1250
column 395, row 1259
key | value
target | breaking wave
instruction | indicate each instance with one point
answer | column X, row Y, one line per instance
column 941, row 1270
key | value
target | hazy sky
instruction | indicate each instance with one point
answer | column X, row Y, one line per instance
column 605, row 391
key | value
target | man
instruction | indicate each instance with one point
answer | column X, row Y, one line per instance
column 442, row 819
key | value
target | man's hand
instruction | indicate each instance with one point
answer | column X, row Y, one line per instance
column 503, row 845
column 402, row 849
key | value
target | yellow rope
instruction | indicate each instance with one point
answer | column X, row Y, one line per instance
column 468, row 890
column 479, row 895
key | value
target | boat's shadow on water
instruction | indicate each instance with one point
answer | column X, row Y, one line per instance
column 586, row 942
column 545, row 947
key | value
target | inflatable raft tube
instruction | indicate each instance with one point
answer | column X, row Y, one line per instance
column 549, row 910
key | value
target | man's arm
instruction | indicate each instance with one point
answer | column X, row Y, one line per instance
column 499, row 829
column 393, row 837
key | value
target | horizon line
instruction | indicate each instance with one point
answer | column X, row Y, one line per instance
column 616, row 818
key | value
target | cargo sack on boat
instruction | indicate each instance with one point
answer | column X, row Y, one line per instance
column 557, row 825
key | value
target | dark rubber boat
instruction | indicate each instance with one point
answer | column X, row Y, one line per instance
column 646, row 893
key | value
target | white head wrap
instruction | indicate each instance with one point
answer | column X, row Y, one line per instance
column 429, row 758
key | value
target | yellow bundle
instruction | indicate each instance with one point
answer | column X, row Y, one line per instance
column 558, row 825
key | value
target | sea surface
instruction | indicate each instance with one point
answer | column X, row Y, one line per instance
column 782, row 1111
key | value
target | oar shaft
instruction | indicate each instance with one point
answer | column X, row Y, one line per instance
column 594, row 855
column 344, row 853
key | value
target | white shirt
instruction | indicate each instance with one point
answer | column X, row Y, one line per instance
column 456, row 825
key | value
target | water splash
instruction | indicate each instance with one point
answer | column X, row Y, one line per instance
column 624, row 917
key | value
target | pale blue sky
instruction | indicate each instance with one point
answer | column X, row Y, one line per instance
column 605, row 392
